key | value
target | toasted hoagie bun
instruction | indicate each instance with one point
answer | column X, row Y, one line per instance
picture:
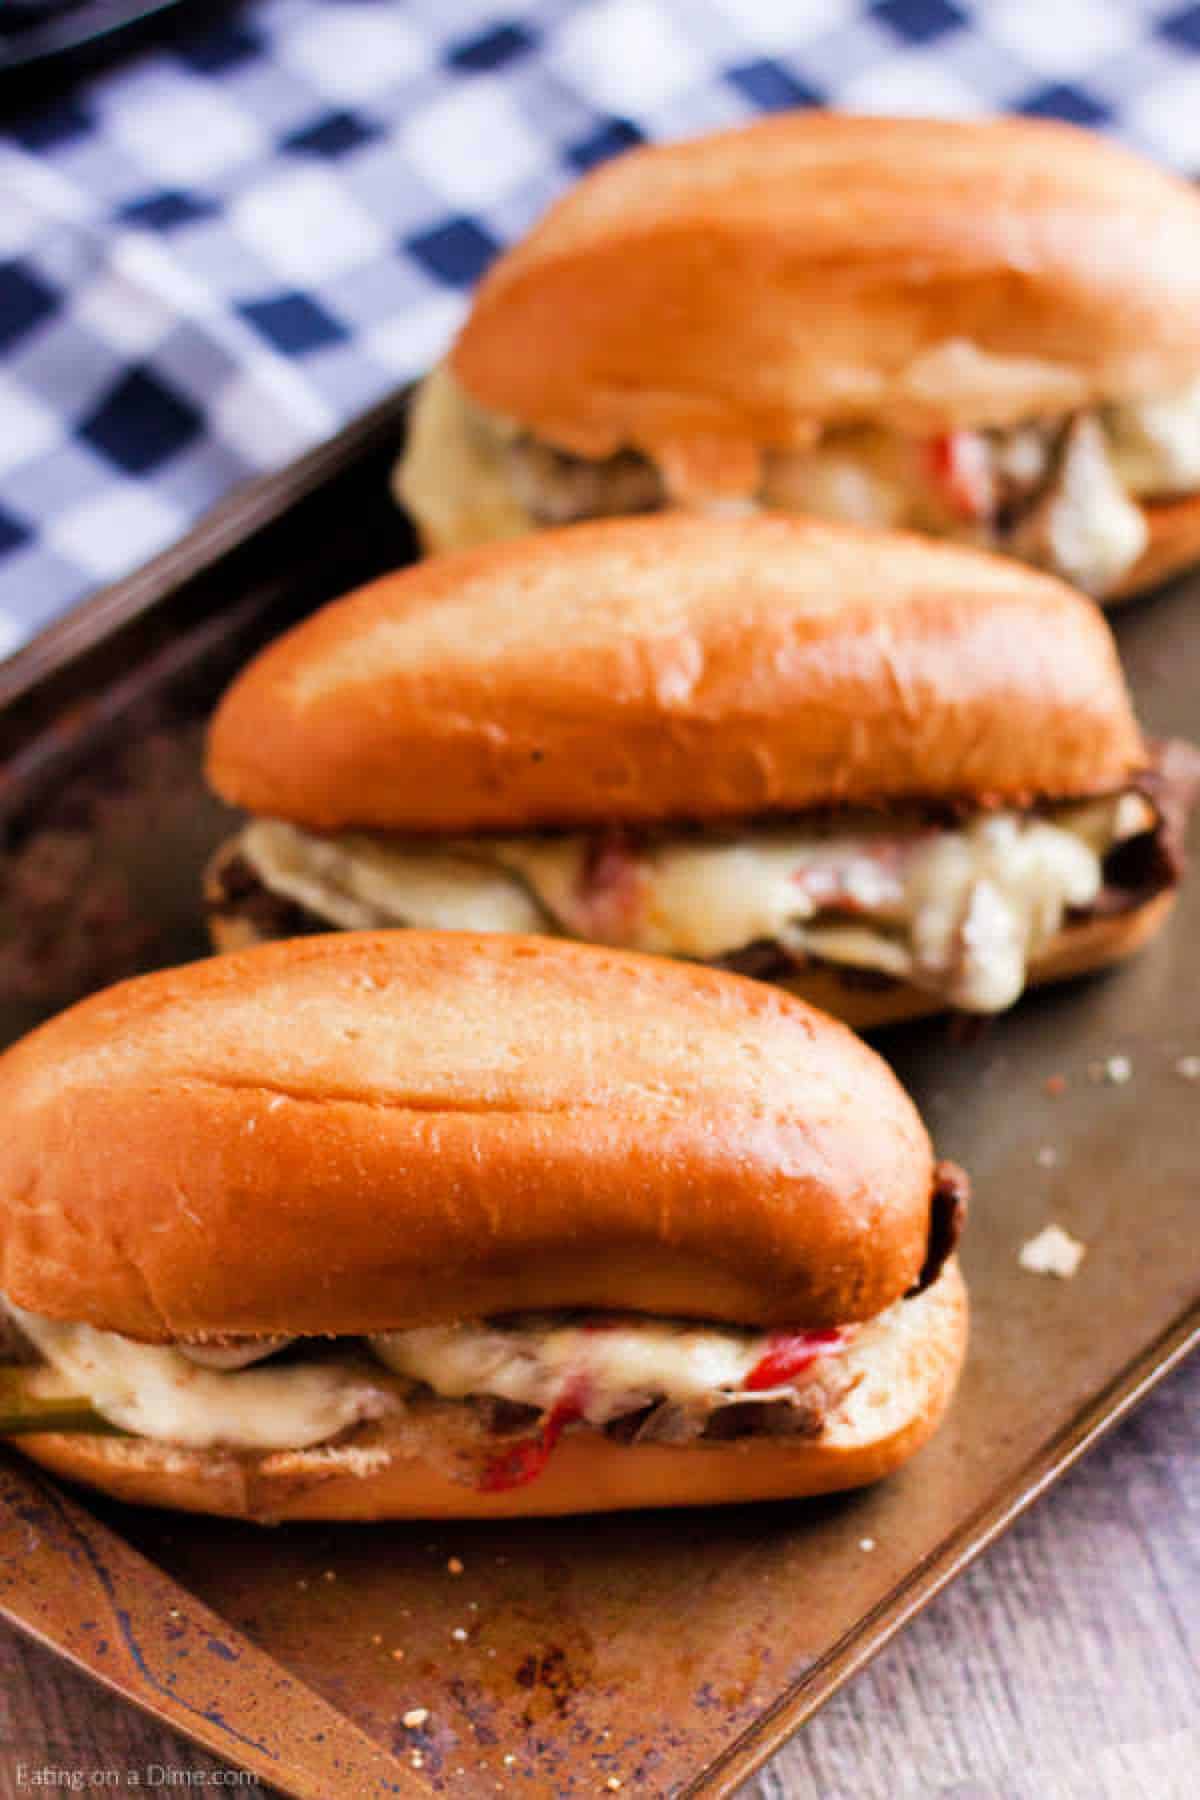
column 707, row 308
column 894, row 775
column 309, row 1129
column 643, row 670
column 364, row 1183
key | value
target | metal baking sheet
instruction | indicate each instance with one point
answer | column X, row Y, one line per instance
column 670, row 1653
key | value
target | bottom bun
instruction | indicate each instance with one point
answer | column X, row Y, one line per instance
column 907, row 1370
column 1174, row 545
column 1080, row 949
column 858, row 998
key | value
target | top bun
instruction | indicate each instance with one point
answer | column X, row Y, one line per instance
column 363, row 1132
column 678, row 667
column 701, row 300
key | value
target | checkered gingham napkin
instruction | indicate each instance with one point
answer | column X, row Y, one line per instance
column 212, row 256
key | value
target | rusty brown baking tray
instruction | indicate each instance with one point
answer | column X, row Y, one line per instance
column 670, row 1652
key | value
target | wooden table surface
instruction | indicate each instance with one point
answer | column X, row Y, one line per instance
column 1064, row 1665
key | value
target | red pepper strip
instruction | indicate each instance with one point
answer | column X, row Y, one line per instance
column 961, row 468
column 525, row 1461
column 790, row 1353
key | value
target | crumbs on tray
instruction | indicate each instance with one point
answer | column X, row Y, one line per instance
column 1052, row 1252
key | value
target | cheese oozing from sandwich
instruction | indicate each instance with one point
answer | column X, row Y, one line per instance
column 157, row 1391
column 958, row 911
column 615, row 1365
column 1061, row 492
column 611, row 1365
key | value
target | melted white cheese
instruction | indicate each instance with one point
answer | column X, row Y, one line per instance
column 982, row 901
column 864, row 477
column 958, row 912
column 1094, row 532
column 238, row 1353
column 617, row 1367
column 454, row 474
column 457, row 476
column 360, row 882
column 155, row 1391
column 687, row 898
column 1155, row 444
column 611, row 1366
column 1088, row 528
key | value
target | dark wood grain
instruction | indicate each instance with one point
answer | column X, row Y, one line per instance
column 70, row 1582
column 1066, row 1662
column 51, row 1716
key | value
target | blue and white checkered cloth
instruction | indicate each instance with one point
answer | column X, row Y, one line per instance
column 213, row 256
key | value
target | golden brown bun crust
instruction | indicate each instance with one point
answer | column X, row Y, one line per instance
column 893, row 1412
column 361, row 1131
column 677, row 667
column 700, row 299
column 1174, row 545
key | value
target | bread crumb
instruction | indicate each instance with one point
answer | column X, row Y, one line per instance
column 1052, row 1252
column 397, row 1656
column 1188, row 1067
column 508, row 1759
column 866, row 1543
column 1047, row 1157
column 1118, row 1070
column 174, row 1612
column 459, row 1635
column 329, row 1575
column 613, row 1783
column 1056, row 1085
column 415, row 1717
column 454, row 1566
column 417, row 1759
column 377, row 1637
